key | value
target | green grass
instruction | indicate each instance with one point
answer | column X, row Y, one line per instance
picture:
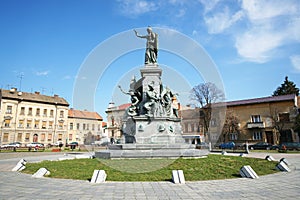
column 211, row 168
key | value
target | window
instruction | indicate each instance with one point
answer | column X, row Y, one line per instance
column 6, row 122
column 233, row 136
column 70, row 137
column 186, row 127
column 5, row 137
column 88, row 126
column 36, row 124
column 255, row 118
column 189, row 128
column 44, row 124
column 78, row 126
column 99, row 127
column 9, row 110
column 27, row 136
column 93, row 126
column 22, row 112
column 59, row 137
column 49, row 137
column 83, row 127
column 284, row 117
column 37, row 112
column 30, row 111
column 43, row 136
column 45, row 113
column 257, row 135
column 60, row 125
column 21, row 123
column 213, row 122
column 28, row 125
column 192, row 128
column 50, row 124
column 19, row 138
column 51, row 113
column 61, row 114
column 71, row 126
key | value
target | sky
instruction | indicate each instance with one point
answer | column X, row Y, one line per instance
column 46, row 45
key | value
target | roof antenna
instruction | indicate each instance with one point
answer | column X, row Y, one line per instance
column 21, row 75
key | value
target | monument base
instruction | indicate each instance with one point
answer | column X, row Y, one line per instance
column 151, row 151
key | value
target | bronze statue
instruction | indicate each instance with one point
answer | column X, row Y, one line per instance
column 151, row 46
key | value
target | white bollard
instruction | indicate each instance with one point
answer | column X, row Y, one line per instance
column 99, row 176
column 247, row 172
column 41, row 173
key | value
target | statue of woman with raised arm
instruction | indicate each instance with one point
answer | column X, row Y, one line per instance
column 151, row 46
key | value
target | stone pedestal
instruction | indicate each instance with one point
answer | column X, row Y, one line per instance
column 153, row 130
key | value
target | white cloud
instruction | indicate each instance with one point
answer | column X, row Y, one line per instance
column 209, row 5
column 257, row 45
column 42, row 73
column 295, row 60
column 261, row 10
column 273, row 24
column 133, row 8
column 222, row 20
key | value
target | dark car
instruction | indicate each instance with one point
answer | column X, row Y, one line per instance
column 260, row 145
column 227, row 145
column 275, row 147
column 72, row 144
column 290, row 146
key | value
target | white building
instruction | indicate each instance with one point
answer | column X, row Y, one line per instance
column 85, row 127
column 32, row 117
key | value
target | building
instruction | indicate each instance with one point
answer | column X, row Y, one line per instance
column 267, row 119
column 191, row 126
column 32, row 117
column 115, row 116
column 85, row 127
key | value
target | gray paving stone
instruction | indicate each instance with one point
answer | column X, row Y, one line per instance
column 278, row 186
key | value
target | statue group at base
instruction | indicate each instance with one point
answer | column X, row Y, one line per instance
column 151, row 126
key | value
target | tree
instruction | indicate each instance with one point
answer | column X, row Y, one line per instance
column 205, row 95
column 287, row 87
column 231, row 125
column 297, row 124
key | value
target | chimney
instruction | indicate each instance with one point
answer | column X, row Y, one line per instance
column 36, row 92
column 55, row 95
column 13, row 90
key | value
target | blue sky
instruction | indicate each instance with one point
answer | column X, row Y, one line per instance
column 253, row 43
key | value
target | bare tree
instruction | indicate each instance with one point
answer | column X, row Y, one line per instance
column 231, row 125
column 205, row 95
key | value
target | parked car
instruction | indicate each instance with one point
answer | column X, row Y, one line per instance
column 72, row 144
column 275, row 147
column 12, row 145
column 58, row 144
column 35, row 144
column 290, row 146
column 260, row 145
column 227, row 145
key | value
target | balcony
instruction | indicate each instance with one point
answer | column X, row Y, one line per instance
column 255, row 125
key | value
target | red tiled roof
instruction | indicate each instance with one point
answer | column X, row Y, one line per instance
column 84, row 114
column 104, row 124
column 124, row 106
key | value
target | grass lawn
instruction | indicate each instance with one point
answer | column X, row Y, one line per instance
column 211, row 168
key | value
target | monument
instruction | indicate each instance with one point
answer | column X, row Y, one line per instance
column 151, row 124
